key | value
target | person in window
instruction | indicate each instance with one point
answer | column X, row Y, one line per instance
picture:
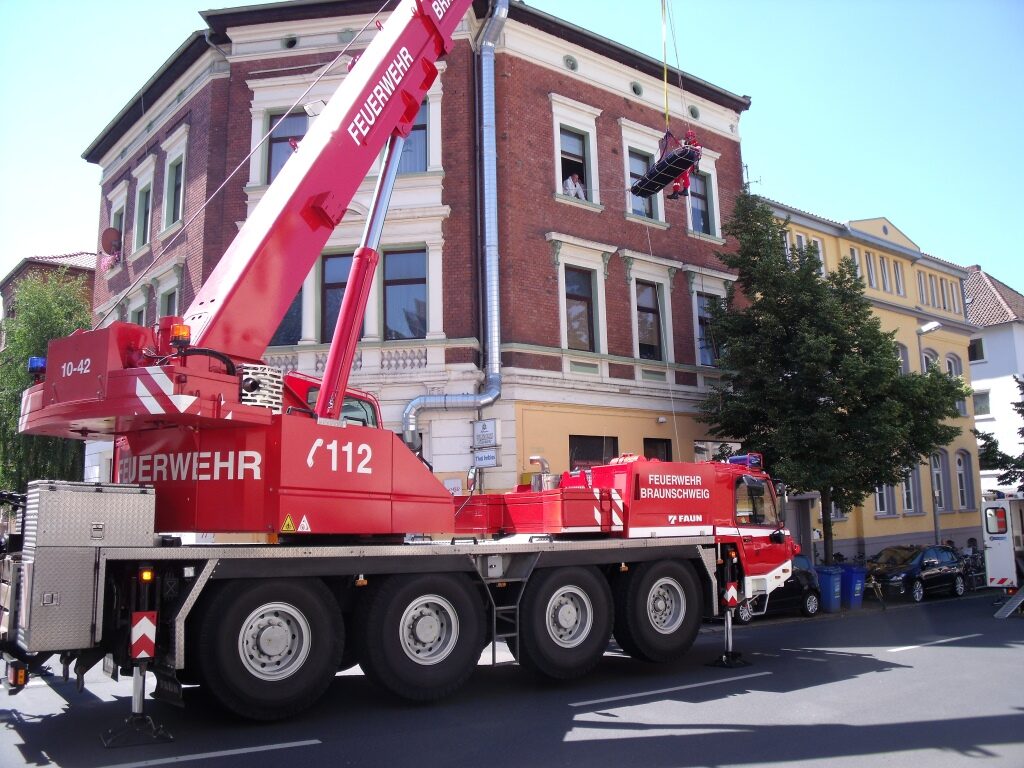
column 681, row 185
column 573, row 187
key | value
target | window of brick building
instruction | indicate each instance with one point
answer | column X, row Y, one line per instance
column 700, row 204
column 405, row 295
column 286, row 129
column 579, row 309
column 639, row 163
column 648, row 321
column 414, row 151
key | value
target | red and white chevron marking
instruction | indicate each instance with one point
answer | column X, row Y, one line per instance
column 143, row 634
column 731, row 598
column 616, row 504
column 155, row 391
column 994, row 582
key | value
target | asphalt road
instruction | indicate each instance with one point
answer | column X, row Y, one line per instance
column 938, row 684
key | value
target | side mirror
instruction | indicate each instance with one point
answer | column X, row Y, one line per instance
column 471, row 479
column 777, row 537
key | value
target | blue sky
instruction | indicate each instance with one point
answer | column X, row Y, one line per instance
column 913, row 110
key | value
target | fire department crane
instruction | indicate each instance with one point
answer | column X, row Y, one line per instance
column 366, row 558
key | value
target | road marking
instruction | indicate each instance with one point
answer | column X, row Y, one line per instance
column 645, row 694
column 222, row 753
column 934, row 642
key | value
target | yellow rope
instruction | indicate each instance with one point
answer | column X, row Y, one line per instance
column 664, row 59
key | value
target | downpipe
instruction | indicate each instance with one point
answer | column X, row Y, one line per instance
column 491, row 389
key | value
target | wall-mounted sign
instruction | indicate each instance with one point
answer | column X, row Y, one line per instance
column 486, row 433
column 486, row 457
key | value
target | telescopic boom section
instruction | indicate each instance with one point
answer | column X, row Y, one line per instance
column 241, row 305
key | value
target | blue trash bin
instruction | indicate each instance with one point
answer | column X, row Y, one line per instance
column 831, row 579
column 853, row 585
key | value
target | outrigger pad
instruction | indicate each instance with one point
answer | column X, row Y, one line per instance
column 665, row 171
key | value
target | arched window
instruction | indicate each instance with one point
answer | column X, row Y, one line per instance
column 964, row 481
column 931, row 357
column 955, row 368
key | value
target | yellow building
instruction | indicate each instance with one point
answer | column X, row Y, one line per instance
column 921, row 298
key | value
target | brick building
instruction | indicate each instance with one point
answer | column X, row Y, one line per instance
column 600, row 298
column 80, row 264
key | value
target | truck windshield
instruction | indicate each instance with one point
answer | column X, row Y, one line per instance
column 755, row 503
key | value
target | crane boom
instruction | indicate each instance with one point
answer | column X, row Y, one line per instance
column 281, row 240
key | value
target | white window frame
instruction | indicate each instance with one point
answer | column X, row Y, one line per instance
column 581, row 118
column 897, row 274
column 174, row 150
column 709, row 170
column 907, row 491
column 883, row 268
column 932, row 284
column 649, row 269
column 987, row 399
column 143, row 175
column 118, row 199
column 639, row 138
column 136, row 302
column 955, row 287
column 583, row 254
column 922, row 289
column 962, row 495
column 855, row 255
column 869, row 260
column 881, row 507
column 821, row 254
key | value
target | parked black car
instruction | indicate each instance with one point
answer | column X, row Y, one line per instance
column 800, row 592
column 913, row 572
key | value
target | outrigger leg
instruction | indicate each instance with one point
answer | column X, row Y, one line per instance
column 138, row 728
column 729, row 657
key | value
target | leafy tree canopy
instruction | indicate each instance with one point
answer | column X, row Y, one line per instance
column 810, row 379
column 47, row 306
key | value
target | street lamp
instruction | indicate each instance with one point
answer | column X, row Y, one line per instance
column 930, row 327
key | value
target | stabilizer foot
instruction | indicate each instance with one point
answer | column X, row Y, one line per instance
column 136, row 731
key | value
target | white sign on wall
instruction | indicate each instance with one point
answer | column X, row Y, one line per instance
column 486, row 433
column 486, row 457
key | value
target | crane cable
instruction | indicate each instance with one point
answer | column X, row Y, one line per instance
column 664, row 59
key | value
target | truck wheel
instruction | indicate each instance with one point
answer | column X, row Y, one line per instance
column 420, row 636
column 658, row 610
column 565, row 622
column 269, row 649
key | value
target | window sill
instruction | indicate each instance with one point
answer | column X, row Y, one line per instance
column 651, row 222
column 114, row 271
column 886, row 516
column 139, row 253
column 175, row 226
column 705, row 237
column 913, row 514
column 585, row 204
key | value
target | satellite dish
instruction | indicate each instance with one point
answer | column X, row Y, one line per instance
column 110, row 242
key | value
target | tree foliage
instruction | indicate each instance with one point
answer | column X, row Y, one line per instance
column 47, row 306
column 991, row 457
column 810, row 378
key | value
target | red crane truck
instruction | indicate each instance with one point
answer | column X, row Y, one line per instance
column 365, row 557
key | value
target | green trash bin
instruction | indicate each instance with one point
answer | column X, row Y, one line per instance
column 830, row 578
column 853, row 585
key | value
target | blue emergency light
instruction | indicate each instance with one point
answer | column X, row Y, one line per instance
column 37, row 366
column 752, row 460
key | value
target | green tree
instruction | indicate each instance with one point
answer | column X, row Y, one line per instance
column 47, row 307
column 811, row 380
column 991, row 457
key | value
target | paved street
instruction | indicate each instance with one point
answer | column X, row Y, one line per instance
column 938, row 684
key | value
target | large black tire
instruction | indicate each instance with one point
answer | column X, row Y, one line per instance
column 420, row 636
column 658, row 610
column 565, row 622
column 268, row 649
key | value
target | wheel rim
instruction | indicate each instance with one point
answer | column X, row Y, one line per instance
column 743, row 613
column 570, row 616
column 274, row 641
column 959, row 585
column 666, row 606
column 429, row 630
column 918, row 591
column 811, row 603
